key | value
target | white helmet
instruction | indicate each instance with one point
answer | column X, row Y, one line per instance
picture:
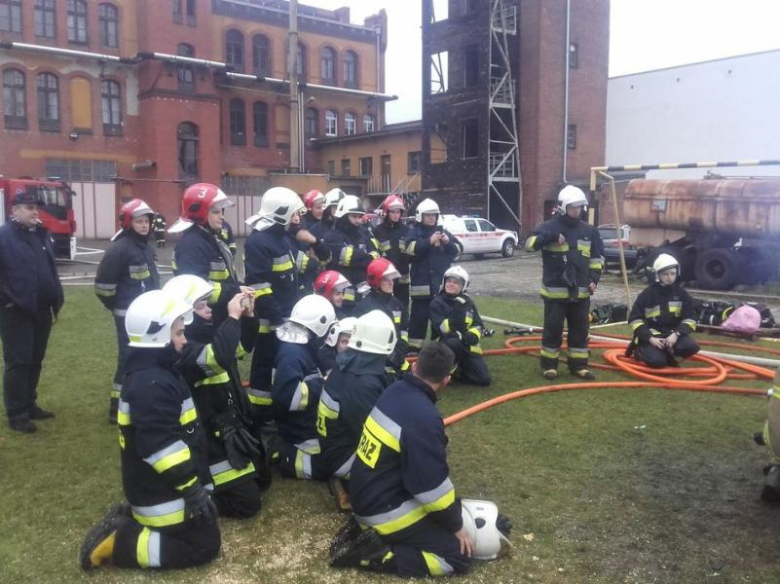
column 315, row 313
column 150, row 317
column 571, row 195
column 374, row 333
column 189, row 288
column 456, row 272
column 349, row 204
column 663, row 262
column 277, row 206
column 345, row 325
column 333, row 196
column 479, row 521
column 425, row 206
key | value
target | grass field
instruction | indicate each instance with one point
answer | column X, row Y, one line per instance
column 629, row 486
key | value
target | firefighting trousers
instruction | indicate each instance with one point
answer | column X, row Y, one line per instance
column 261, row 376
column 123, row 347
column 656, row 358
column 418, row 321
column 240, row 500
column 24, row 337
column 576, row 315
column 184, row 546
column 470, row 367
column 401, row 291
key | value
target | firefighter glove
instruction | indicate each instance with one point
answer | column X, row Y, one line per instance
column 198, row 505
column 240, row 446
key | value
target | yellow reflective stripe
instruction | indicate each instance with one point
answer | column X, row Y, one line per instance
column 554, row 293
column 140, row 275
column 263, row 292
column 172, row 460
column 550, row 353
column 578, row 353
column 432, row 562
column 382, row 435
column 174, row 265
column 324, row 413
column 556, row 247
column 653, row 311
column 635, row 324
column 445, row 326
column 142, row 548
column 441, row 503
column 345, row 258
column 409, row 249
column 690, row 322
column 161, row 520
column 402, row 522
column 530, row 243
column 188, row 484
column 596, row 264
column 188, row 416
column 223, row 377
column 231, row 474
column 214, row 298
column 106, row 293
column 219, row 275
column 476, row 349
column 283, row 267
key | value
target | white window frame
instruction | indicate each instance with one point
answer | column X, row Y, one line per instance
column 331, row 123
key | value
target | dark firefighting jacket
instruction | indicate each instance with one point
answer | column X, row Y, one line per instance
column 271, row 271
column 226, row 235
column 202, row 253
column 391, row 238
column 352, row 249
column 309, row 221
column 320, row 229
column 163, row 448
column 393, row 308
column 400, row 474
column 660, row 310
column 456, row 316
column 349, row 395
column 127, row 270
column 428, row 262
column 309, row 260
column 569, row 268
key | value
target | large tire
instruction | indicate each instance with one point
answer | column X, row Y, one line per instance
column 508, row 248
column 717, row 269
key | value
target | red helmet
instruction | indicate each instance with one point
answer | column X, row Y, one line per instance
column 312, row 198
column 378, row 269
column 199, row 198
column 132, row 210
column 328, row 282
column 391, row 203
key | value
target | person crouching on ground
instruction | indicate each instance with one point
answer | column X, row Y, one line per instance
column 335, row 343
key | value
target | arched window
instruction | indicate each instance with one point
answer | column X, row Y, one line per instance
column 48, row 102
column 331, row 123
column 187, row 146
column 237, row 122
column 260, row 123
column 111, row 99
column 77, row 21
column 184, row 72
column 368, row 123
column 328, row 66
column 302, row 68
column 350, row 124
column 312, row 123
column 234, row 50
column 45, row 18
column 14, row 107
column 108, row 16
column 261, row 55
column 350, row 69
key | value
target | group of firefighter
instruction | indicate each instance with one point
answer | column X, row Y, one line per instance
column 331, row 395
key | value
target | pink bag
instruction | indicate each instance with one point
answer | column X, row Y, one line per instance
column 744, row 319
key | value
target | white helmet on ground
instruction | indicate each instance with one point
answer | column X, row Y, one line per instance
column 333, row 196
column 426, row 206
column 456, row 272
column 571, row 195
column 277, row 206
column 189, row 288
column 345, row 325
column 374, row 333
column 150, row 317
column 315, row 313
column 349, row 204
column 479, row 521
column 663, row 262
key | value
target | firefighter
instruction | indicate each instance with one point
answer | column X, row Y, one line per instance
column 208, row 364
column 770, row 438
column 127, row 270
column 171, row 521
column 158, row 226
column 227, row 236
column 314, row 201
column 271, row 272
column 310, row 256
column 571, row 262
column 382, row 277
column 297, row 386
column 335, row 288
column 391, row 233
column 335, row 343
column 201, row 251
column 328, row 220
column 30, row 299
column 662, row 318
column 431, row 249
column 455, row 319
column 350, row 392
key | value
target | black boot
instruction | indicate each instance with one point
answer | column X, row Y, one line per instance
column 113, row 408
column 98, row 546
column 771, row 491
column 24, row 425
column 366, row 550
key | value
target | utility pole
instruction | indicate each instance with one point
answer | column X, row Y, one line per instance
column 295, row 105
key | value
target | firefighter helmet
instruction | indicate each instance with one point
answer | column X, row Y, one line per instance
column 150, row 317
column 315, row 313
column 345, row 325
column 424, row 207
column 189, row 288
column 328, row 282
column 392, row 203
column 480, row 520
column 277, row 206
column 378, row 269
column 459, row 273
column 195, row 205
column 312, row 198
column 348, row 205
column 333, row 196
column 374, row 333
column 572, row 196
column 665, row 262
column 132, row 210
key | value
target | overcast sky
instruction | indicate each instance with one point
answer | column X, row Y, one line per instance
column 644, row 35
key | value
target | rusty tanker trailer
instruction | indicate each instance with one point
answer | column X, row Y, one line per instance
column 724, row 232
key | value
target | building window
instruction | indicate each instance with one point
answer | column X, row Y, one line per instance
column 470, row 66
column 177, row 13
column 234, row 50
column 261, row 55
column 260, row 120
column 331, row 123
column 111, row 97
column 470, row 139
column 185, row 73
column 190, row 7
column 108, row 16
column 11, row 15
column 312, row 123
column 440, row 63
column 368, row 123
column 237, row 122
column 415, row 162
column 346, row 167
column 571, row 136
column 350, row 69
column 187, row 146
column 574, row 56
column 328, row 66
column 350, row 124
column 366, row 166
column 48, row 102
column 45, row 19
column 77, row 21
column 331, row 168
column 14, row 107
column 301, row 62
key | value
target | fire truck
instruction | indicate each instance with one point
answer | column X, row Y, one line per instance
column 55, row 210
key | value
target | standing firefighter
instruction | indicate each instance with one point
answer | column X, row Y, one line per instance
column 126, row 271
column 390, row 234
column 315, row 207
column 771, row 439
column 571, row 263
column 158, row 226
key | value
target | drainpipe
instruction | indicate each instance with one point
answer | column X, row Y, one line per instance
column 566, row 91
column 377, row 32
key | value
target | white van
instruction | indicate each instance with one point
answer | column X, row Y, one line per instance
column 479, row 236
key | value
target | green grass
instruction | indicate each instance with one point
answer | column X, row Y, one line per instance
column 603, row 486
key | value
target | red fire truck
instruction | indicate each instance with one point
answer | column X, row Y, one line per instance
column 55, row 212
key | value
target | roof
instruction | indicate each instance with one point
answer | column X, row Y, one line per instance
column 388, row 130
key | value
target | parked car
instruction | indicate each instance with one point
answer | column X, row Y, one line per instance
column 612, row 241
column 478, row 236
